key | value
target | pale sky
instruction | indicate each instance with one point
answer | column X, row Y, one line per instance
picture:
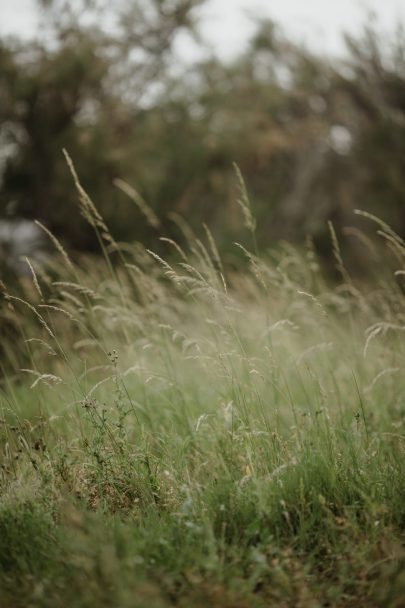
column 225, row 24
column 318, row 23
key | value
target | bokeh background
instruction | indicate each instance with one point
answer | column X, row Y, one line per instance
column 307, row 99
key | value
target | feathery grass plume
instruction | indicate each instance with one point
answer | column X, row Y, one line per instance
column 255, row 266
column 394, row 245
column 244, row 201
column 88, row 208
column 175, row 245
column 314, row 300
column 46, row 378
column 139, row 201
column 386, row 227
column 338, row 255
column 35, row 279
column 34, row 310
column 385, row 372
column 83, row 289
column 194, row 271
column 203, row 258
column 57, row 244
column 48, row 347
column 159, row 259
column 214, row 249
column 92, row 215
column 52, row 307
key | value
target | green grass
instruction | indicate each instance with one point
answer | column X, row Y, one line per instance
column 188, row 436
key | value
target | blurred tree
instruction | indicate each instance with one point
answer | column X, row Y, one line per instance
column 373, row 87
column 314, row 137
column 82, row 88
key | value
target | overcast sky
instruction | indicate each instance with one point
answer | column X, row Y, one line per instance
column 226, row 24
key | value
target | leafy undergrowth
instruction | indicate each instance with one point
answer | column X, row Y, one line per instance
column 184, row 435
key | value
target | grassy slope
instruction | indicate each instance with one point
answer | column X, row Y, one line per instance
column 198, row 441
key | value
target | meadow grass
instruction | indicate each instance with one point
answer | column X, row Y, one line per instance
column 179, row 433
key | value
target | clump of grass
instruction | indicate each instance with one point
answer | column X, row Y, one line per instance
column 194, row 436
